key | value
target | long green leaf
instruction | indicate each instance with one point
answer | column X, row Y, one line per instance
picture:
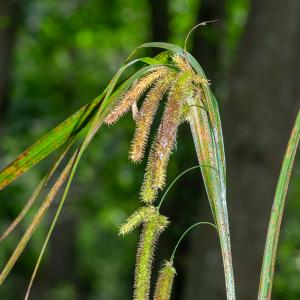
column 66, row 130
column 207, row 154
column 37, row 219
column 208, row 139
column 268, row 266
column 36, row 193
column 49, row 143
column 56, row 216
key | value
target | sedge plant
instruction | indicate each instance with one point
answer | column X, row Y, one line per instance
column 173, row 79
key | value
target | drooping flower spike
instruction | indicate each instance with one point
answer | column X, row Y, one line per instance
column 179, row 84
column 133, row 94
column 146, row 115
column 153, row 225
column 163, row 287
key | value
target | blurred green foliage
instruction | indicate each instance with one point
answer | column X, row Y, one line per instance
column 65, row 54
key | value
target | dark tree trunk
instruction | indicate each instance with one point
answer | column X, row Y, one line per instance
column 10, row 15
column 208, row 50
column 160, row 21
column 262, row 105
column 263, row 100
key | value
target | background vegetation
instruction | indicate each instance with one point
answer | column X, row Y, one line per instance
column 57, row 55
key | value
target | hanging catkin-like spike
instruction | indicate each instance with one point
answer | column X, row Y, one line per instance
column 139, row 216
column 165, row 140
column 133, row 94
column 146, row 116
column 148, row 191
column 163, row 287
column 152, row 228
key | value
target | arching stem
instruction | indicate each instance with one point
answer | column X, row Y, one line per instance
column 186, row 232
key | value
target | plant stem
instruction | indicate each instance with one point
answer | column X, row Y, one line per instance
column 173, row 182
column 186, row 232
column 152, row 228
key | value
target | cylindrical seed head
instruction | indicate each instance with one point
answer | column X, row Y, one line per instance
column 163, row 287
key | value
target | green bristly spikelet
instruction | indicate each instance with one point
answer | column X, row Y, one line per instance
column 148, row 192
column 139, row 216
column 133, row 94
column 163, row 287
column 180, row 83
column 164, row 142
column 152, row 228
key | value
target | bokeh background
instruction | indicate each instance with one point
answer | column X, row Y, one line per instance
column 56, row 55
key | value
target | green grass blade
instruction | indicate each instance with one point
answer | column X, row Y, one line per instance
column 208, row 155
column 58, row 211
column 68, row 129
column 37, row 219
column 35, row 194
column 25, row 210
column 269, row 259
column 49, row 143
column 212, row 103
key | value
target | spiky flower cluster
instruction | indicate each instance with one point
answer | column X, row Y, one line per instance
column 164, row 282
column 182, row 88
column 137, row 218
column 130, row 97
column 180, row 85
column 153, row 225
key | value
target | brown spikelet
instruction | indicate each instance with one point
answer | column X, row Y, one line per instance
column 152, row 228
column 135, row 111
column 182, row 63
column 133, row 94
column 165, row 140
column 163, row 287
column 200, row 80
column 146, row 116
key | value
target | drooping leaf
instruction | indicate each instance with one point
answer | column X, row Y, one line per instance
column 65, row 131
column 49, row 143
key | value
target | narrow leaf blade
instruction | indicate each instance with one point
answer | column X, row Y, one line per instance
column 49, row 143
column 269, row 258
